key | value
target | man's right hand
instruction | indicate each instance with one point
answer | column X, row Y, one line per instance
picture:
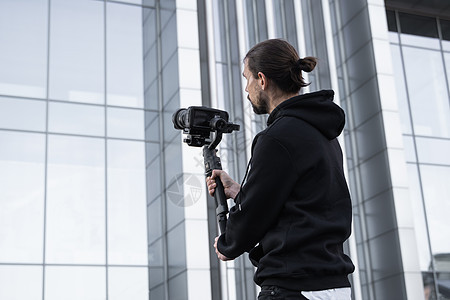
column 231, row 187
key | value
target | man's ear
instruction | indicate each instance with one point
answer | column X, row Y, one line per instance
column 262, row 80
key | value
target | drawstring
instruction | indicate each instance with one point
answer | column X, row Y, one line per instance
column 241, row 192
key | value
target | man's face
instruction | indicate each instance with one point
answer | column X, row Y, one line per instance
column 256, row 95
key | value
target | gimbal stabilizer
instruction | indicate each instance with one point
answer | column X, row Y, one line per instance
column 204, row 127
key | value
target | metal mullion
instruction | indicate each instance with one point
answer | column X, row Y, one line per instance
column 105, row 98
column 46, row 149
column 161, row 150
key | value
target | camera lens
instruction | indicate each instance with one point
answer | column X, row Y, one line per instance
column 179, row 118
column 217, row 123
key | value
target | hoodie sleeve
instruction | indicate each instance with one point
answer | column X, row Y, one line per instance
column 270, row 181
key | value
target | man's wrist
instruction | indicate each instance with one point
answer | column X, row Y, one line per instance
column 236, row 191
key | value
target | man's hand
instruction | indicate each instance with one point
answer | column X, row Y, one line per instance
column 231, row 187
column 220, row 255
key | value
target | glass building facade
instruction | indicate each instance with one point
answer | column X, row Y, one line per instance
column 101, row 199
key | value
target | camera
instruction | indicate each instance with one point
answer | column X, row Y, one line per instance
column 204, row 126
column 199, row 122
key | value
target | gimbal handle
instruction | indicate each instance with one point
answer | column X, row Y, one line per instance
column 212, row 162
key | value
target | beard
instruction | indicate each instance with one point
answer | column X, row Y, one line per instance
column 261, row 106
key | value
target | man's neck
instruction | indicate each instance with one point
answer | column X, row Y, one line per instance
column 279, row 98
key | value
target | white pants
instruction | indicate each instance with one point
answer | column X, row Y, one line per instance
column 331, row 294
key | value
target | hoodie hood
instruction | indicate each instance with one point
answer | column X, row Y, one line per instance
column 317, row 109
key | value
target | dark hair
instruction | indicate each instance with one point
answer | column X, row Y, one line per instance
column 279, row 62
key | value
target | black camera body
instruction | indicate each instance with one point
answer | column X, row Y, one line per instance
column 198, row 122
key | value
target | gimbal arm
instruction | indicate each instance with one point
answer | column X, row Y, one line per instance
column 212, row 162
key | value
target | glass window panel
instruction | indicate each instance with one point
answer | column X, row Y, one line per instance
column 125, row 85
column 420, row 41
column 20, row 282
column 176, row 249
column 433, row 151
column 178, row 285
column 148, row 2
column 420, row 225
column 22, row 114
column 410, row 151
column 154, row 179
column 22, row 171
column 75, row 283
column 23, row 51
column 125, row 123
column 128, row 283
column 76, row 119
column 400, row 88
column 418, row 25
column 75, row 200
column 154, row 220
column 77, row 59
column 443, row 106
column 436, row 189
column 173, row 165
column 391, row 20
column 170, row 79
column 155, row 263
column 127, row 204
column 170, row 134
column 169, row 40
column 427, row 92
column 187, row 29
column 445, row 29
column 152, row 126
column 152, row 151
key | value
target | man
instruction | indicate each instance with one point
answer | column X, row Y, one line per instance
column 293, row 211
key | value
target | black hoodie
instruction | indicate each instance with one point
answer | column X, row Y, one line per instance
column 295, row 201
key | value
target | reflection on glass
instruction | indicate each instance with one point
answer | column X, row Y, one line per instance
column 433, row 151
column 22, row 114
column 22, row 170
column 436, row 189
column 20, row 282
column 152, row 126
column 391, row 21
column 125, row 123
column 445, row 29
column 420, row 225
column 127, row 206
column 76, row 119
column 128, row 283
column 400, row 88
column 442, row 269
column 23, row 51
column 430, row 118
column 77, row 51
column 75, row 200
column 156, row 263
column 410, row 151
column 124, row 55
column 154, row 180
column 75, row 283
column 176, row 255
column 154, row 220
